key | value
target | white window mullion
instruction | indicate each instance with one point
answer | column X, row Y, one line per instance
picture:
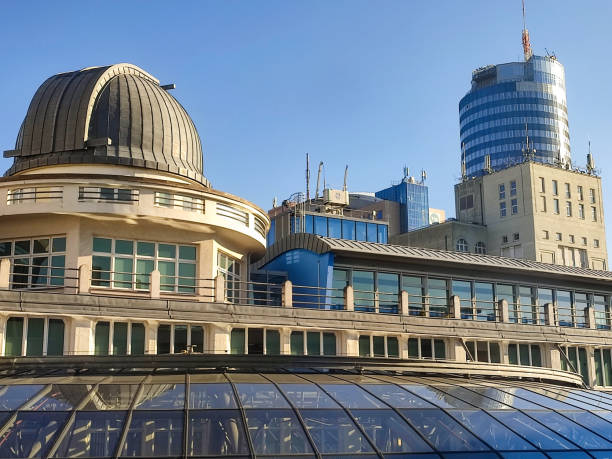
column 24, row 341
column 171, row 338
column 265, row 337
column 128, row 348
column 45, row 335
column 386, row 349
column 111, row 335
column 246, row 340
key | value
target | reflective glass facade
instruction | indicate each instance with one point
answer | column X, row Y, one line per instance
column 413, row 199
column 503, row 101
column 303, row 414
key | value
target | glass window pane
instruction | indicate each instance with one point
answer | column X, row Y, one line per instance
column 111, row 397
column 36, row 329
column 167, row 278
column 360, row 231
column 102, row 245
column 145, row 249
column 313, row 343
column 438, row 297
column 379, row 346
column 120, row 338
column 180, row 339
column 388, row 292
column 217, row 433
column 297, row 343
column 320, row 225
column 100, row 267
column 197, row 338
column 426, row 349
column 211, row 396
column 396, row 396
column 348, row 230
column 275, row 432
column 59, row 244
column 163, row 339
column 124, row 247
column 92, row 434
column 372, row 232
column 161, row 397
column 154, row 434
column 12, row 397
column 382, row 234
column 124, row 268
column 166, row 251
column 40, row 246
column 329, row 344
column 334, row 228
column 308, row 396
column 352, row 396
column 31, row 434
column 495, row 355
column 237, row 341
column 513, row 354
column 5, row 248
column 137, row 343
column 187, row 252
column 413, row 348
column 55, row 337
column 577, row 434
column 22, row 247
column 260, row 396
column 186, row 280
column 363, row 287
column 334, row 432
column 101, row 338
column 392, row 347
column 364, row 346
column 143, row 273
column 272, row 342
column 439, row 349
column 309, row 224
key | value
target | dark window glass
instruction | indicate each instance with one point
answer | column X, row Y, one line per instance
column 92, row 434
column 31, row 434
column 413, row 348
column 334, row 432
column 102, row 245
column 180, row 338
column 124, row 247
column 364, row 346
column 55, row 338
column 154, row 434
column 217, row 433
column 439, row 349
column 36, row 329
column 12, row 397
column 59, row 244
column 41, row 246
column 211, row 396
column 392, row 347
column 513, row 354
column 120, row 338
column 5, row 249
column 379, row 346
column 163, row 339
column 237, row 341
column 313, row 343
column 495, row 355
column 297, row 343
column 145, row 249
column 22, row 247
column 275, row 432
column 426, row 350
column 138, row 339
column 272, row 342
column 329, row 344
column 101, row 338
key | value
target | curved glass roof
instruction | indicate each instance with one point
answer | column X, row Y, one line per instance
column 302, row 414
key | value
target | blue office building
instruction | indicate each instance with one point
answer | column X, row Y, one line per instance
column 507, row 103
column 413, row 198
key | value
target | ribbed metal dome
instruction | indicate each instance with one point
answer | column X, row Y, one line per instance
column 117, row 114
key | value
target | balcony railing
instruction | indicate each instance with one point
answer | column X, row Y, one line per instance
column 287, row 295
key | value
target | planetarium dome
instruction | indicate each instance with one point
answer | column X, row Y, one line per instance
column 116, row 115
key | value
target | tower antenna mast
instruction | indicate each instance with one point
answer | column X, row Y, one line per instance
column 526, row 43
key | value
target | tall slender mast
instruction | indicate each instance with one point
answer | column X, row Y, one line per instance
column 526, row 44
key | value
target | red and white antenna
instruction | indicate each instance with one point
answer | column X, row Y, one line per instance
column 526, row 44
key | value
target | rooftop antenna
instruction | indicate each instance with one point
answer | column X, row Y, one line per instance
column 345, row 177
column 318, row 179
column 526, row 44
column 463, row 167
column 528, row 151
column 423, row 176
column 307, row 177
column 590, row 162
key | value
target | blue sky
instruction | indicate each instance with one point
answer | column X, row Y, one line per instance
column 371, row 84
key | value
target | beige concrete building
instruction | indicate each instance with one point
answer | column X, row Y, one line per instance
column 538, row 212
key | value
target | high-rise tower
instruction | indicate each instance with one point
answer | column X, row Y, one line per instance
column 513, row 110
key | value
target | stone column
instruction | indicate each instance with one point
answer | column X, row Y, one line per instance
column 287, row 294
column 350, row 346
column 455, row 304
column 502, row 307
column 349, row 298
column 220, row 338
column 82, row 333
column 458, row 350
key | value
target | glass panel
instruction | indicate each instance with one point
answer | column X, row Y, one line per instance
column 12, row 397
column 59, row 244
column 607, row 367
column 163, row 339
column 392, row 347
column 92, row 434
column 339, row 282
column 161, row 397
column 186, row 280
column 482, row 351
column 563, row 426
column 111, row 397
column 388, row 293
column 197, row 338
column 154, row 433
column 372, row 232
column 363, row 288
column 57, row 275
column 533, row 431
column 426, row 349
column 352, row 396
column 102, row 245
column 102, row 338
column 414, row 287
column 491, row 431
column 180, row 339
column 364, row 346
column 138, row 339
column 389, row 432
column 564, row 308
column 513, row 354
column 334, row 432
column 260, row 396
column 40, row 246
column 123, row 272
column 166, row 251
column 275, row 432
column 463, row 289
column 413, row 348
column 216, row 433
column 360, row 231
column 237, row 341
column 309, row 221
column 435, row 396
column 100, row 267
column 495, row 354
column 442, row 431
column 584, row 369
column 396, row 396
column 438, row 297
column 591, row 422
column 297, row 343
column 272, row 342
column 124, row 247
column 320, row 225
column 313, row 343
column 382, row 234
column 379, row 346
column 143, row 273
column 55, row 337
column 22, row 247
column 308, row 396
column 120, row 338
column 329, row 344
column 527, row 305
column 5, row 248
column 167, row 278
column 187, row 252
column 145, row 249
column 485, row 304
column 36, row 329
column 440, row 349
column 348, row 229
column 58, row 397
column 211, row 396
column 545, row 296
column 582, row 304
column 334, row 228
column 31, row 434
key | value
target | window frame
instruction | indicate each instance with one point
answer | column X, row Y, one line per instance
column 173, row 336
column 24, row 335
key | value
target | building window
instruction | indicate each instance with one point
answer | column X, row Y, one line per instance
column 180, row 338
column 568, row 191
column 102, row 194
column 571, row 238
column 514, row 204
column 594, row 214
column 426, row 348
column 37, row 263
column 542, row 185
column 592, row 195
column 513, row 188
column 125, row 264
column 502, row 191
column 555, row 188
column 596, row 243
column 483, row 351
column 179, row 201
column 480, row 247
column 603, row 367
column 33, row 336
column 558, row 236
column 378, row 346
column 543, row 203
column 119, row 338
column 584, row 240
column 312, row 343
column 466, row 202
column 568, row 208
column 575, row 359
column 515, row 236
column 504, row 239
column 581, row 211
column 525, row 354
column 545, row 234
column 230, row 268
column 580, row 193
column 255, row 341
column 32, row 195
column 502, row 209
column 462, row 245
column 556, row 206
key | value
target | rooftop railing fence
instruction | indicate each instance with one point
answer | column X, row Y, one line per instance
column 84, row 280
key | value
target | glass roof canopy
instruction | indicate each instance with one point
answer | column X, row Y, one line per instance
column 304, row 413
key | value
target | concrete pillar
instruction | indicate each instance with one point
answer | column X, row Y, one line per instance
column 351, row 343
column 84, row 279
column 503, row 349
column 220, row 339
column 592, row 378
column 349, row 298
column 82, row 332
column 376, row 302
column 555, row 357
column 151, row 337
column 455, row 307
column 3, row 320
column 404, row 303
column 403, row 346
column 502, row 307
column 287, row 294
column 458, row 351
column 285, row 341
column 5, row 273
column 590, row 317
column 550, row 314
column 220, row 288
column 155, row 284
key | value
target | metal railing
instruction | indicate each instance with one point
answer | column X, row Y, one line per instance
column 107, row 194
column 179, row 201
column 22, row 195
column 40, row 277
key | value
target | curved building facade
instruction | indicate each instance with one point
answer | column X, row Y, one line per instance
column 508, row 101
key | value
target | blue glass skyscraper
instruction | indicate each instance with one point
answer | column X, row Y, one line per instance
column 508, row 103
column 413, row 198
